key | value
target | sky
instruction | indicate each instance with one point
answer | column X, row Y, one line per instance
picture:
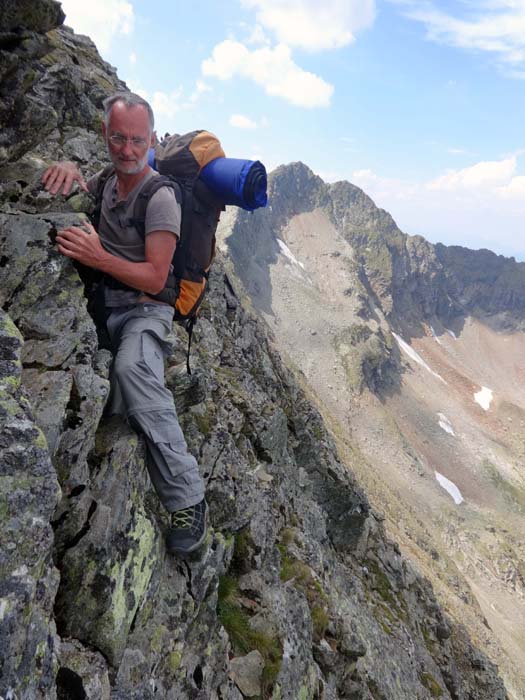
column 420, row 103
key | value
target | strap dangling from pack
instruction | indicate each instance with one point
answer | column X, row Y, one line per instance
column 189, row 328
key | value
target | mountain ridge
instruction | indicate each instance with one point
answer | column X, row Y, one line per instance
column 396, row 339
column 365, row 225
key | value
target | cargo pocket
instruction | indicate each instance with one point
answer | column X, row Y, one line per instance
column 153, row 355
column 162, row 427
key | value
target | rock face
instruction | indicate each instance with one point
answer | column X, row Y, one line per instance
column 297, row 592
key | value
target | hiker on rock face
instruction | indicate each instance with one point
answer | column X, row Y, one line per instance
column 134, row 268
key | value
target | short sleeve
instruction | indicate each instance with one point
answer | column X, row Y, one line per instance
column 92, row 183
column 163, row 212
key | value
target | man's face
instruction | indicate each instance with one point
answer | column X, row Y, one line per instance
column 128, row 138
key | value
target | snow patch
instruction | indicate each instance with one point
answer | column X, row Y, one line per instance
column 414, row 355
column 450, row 487
column 435, row 336
column 446, row 424
column 451, row 333
column 484, row 397
column 288, row 253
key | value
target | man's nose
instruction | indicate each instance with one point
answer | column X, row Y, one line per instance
column 127, row 149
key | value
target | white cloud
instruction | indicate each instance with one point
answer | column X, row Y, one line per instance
column 133, row 58
column 241, row 122
column 312, row 25
column 273, row 69
column 200, row 88
column 101, row 20
column 493, row 26
column 257, row 36
column 479, row 206
column 384, row 187
column 515, row 189
column 478, row 177
column 165, row 105
column 168, row 105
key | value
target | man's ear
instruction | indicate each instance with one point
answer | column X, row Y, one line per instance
column 104, row 130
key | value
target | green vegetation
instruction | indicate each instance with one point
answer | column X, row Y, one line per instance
column 318, row 432
column 236, row 620
column 243, row 638
column 385, row 617
column 358, row 333
column 292, row 569
column 394, row 607
column 363, row 352
column 429, row 641
column 243, row 549
column 431, row 685
column 320, row 621
column 203, row 421
column 374, row 690
column 511, row 493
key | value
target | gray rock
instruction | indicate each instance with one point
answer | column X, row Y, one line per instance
column 97, row 603
column 22, row 14
column 246, row 672
column 29, row 493
column 50, row 392
column 82, row 671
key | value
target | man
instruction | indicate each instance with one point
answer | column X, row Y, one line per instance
column 136, row 267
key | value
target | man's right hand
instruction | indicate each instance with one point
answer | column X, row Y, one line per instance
column 62, row 175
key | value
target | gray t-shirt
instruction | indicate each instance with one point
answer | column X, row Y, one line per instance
column 124, row 241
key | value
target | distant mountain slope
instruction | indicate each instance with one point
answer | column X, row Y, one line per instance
column 416, row 355
column 408, row 275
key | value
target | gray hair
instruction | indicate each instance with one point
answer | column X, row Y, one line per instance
column 130, row 99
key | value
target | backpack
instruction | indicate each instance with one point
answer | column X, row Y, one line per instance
column 179, row 161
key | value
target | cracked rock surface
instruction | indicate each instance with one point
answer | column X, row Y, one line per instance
column 296, row 577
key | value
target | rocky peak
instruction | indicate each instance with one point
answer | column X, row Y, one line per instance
column 24, row 15
column 409, row 277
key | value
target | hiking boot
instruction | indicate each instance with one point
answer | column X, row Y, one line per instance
column 188, row 529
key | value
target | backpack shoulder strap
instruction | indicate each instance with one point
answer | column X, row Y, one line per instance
column 153, row 185
column 104, row 176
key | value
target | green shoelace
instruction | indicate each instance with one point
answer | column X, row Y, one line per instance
column 183, row 518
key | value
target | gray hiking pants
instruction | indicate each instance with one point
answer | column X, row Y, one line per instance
column 139, row 338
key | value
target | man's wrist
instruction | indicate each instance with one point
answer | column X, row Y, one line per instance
column 106, row 262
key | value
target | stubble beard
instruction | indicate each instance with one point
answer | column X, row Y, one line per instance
column 133, row 167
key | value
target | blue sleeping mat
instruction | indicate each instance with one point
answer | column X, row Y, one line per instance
column 236, row 181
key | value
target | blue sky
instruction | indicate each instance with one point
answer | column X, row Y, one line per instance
column 421, row 104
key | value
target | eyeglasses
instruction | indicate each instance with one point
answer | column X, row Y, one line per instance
column 119, row 140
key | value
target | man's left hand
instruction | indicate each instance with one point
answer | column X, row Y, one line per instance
column 82, row 244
